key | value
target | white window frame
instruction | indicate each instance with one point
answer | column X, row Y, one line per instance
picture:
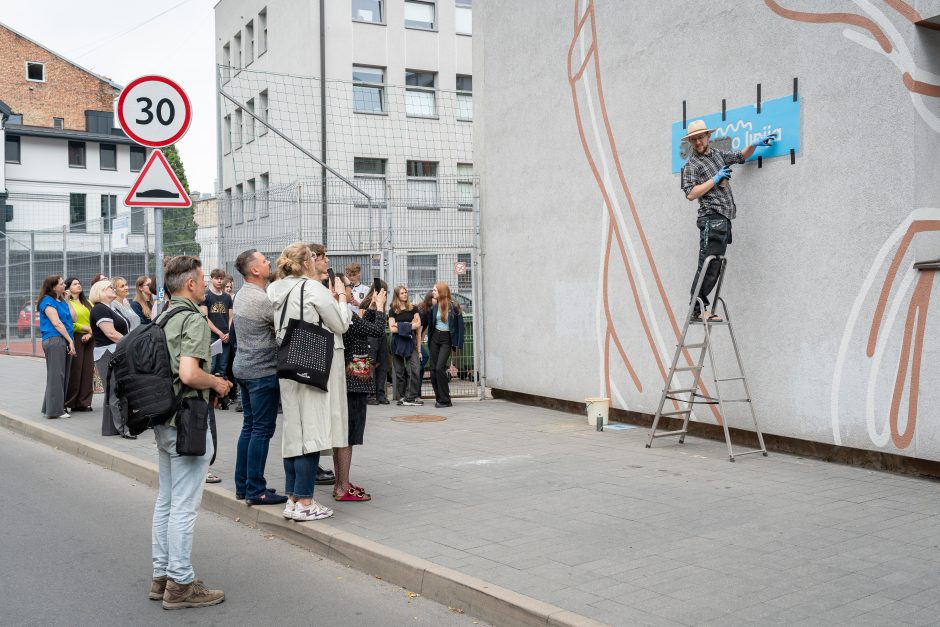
column 42, row 66
column 250, row 121
column 433, row 6
column 226, row 62
column 381, row 21
column 369, row 182
column 415, row 181
column 463, row 97
column 238, row 204
column 379, row 87
column 262, row 31
column 265, row 187
column 228, row 209
column 249, row 43
column 250, row 204
column 463, row 6
column 227, row 134
column 464, row 181
column 263, row 111
column 237, row 52
column 424, row 91
column 237, row 130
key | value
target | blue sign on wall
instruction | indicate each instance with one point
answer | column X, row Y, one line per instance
column 742, row 125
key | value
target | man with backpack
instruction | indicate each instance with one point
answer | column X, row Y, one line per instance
column 182, row 477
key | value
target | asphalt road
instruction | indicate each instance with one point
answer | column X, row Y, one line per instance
column 75, row 547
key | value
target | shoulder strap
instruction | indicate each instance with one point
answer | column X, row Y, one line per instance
column 280, row 324
column 166, row 315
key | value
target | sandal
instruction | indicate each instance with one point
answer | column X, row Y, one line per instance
column 352, row 494
column 211, row 478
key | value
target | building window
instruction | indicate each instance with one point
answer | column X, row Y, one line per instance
column 250, row 121
column 249, row 42
column 370, row 177
column 263, row 192
column 237, row 130
column 239, row 201
column 422, row 273
column 36, row 71
column 263, row 111
column 419, row 14
column 465, row 280
column 464, row 186
column 368, row 89
column 368, row 11
column 420, row 97
column 227, row 209
column 77, row 212
column 263, row 31
column 108, row 211
column 12, row 149
column 76, row 154
column 422, row 185
column 108, row 156
column 100, row 122
column 464, row 97
column 138, row 156
column 58, row 122
column 226, row 63
column 227, row 134
column 464, row 24
column 138, row 219
column 237, row 51
column 250, row 201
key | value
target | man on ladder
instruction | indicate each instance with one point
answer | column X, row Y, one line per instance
column 706, row 176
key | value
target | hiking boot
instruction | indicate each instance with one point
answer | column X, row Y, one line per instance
column 193, row 594
column 157, row 588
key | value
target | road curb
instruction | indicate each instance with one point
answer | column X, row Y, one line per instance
column 478, row 598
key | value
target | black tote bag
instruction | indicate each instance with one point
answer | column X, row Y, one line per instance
column 306, row 352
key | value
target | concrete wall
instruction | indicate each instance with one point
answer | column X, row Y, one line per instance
column 591, row 246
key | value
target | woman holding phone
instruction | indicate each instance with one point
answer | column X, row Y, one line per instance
column 378, row 346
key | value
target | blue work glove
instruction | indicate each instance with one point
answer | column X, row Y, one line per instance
column 764, row 141
column 724, row 173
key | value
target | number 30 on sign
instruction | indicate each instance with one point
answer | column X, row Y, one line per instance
column 154, row 111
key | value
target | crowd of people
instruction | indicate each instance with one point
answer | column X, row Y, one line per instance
column 369, row 334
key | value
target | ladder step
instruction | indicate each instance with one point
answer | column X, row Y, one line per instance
column 731, row 379
column 757, row 450
column 666, row 433
column 711, row 324
column 699, row 345
column 737, row 400
column 677, row 413
column 685, row 391
column 688, row 368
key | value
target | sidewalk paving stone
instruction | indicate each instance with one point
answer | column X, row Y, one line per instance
column 538, row 502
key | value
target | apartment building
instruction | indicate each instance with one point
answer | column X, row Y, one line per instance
column 398, row 109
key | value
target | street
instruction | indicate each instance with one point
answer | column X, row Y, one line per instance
column 76, row 547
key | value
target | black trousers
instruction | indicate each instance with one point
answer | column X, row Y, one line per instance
column 378, row 350
column 439, row 346
column 714, row 237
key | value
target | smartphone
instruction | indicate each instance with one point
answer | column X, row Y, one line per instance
column 332, row 275
column 376, row 285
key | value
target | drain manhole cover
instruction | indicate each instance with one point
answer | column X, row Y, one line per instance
column 419, row 418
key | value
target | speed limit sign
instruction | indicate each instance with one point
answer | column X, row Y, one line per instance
column 154, row 111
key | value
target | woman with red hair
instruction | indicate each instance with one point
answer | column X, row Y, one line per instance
column 445, row 333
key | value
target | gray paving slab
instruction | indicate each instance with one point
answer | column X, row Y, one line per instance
column 539, row 502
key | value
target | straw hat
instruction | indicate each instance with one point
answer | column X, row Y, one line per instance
column 697, row 127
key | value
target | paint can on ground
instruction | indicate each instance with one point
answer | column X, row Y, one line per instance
column 597, row 407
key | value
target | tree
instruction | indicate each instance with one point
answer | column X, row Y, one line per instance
column 179, row 223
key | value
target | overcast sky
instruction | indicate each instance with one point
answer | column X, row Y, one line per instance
column 124, row 39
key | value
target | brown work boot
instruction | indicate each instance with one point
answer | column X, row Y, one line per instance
column 157, row 587
column 194, row 594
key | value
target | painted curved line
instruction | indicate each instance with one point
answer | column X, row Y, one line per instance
column 833, row 18
column 911, row 14
column 920, row 87
column 580, row 21
column 918, row 226
column 916, row 310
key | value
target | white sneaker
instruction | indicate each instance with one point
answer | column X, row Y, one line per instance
column 409, row 403
column 314, row 511
column 288, row 512
column 65, row 415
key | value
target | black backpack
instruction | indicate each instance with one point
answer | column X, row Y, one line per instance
column 141, row 367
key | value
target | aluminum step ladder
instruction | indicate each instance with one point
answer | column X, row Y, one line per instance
column 688, row 397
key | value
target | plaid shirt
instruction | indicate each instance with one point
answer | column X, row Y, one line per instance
column 700, row 168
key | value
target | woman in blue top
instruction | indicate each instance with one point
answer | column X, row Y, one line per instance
column 445, row 333
column 58, row 345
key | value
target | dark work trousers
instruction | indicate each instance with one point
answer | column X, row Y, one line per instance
column 714, row 237
column 81, row 375
column 58, row 361
column 407, row 376
column 380, row 346
column 440, row 355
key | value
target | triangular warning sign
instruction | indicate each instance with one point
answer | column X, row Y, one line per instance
column 157, row 186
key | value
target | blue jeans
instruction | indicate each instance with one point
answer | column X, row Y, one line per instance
column 182, row 479
column 259, row 406
column 301, row 475
column 220, row 361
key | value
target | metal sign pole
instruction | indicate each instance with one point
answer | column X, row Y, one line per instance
column 32, row 289
column 158, row 244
